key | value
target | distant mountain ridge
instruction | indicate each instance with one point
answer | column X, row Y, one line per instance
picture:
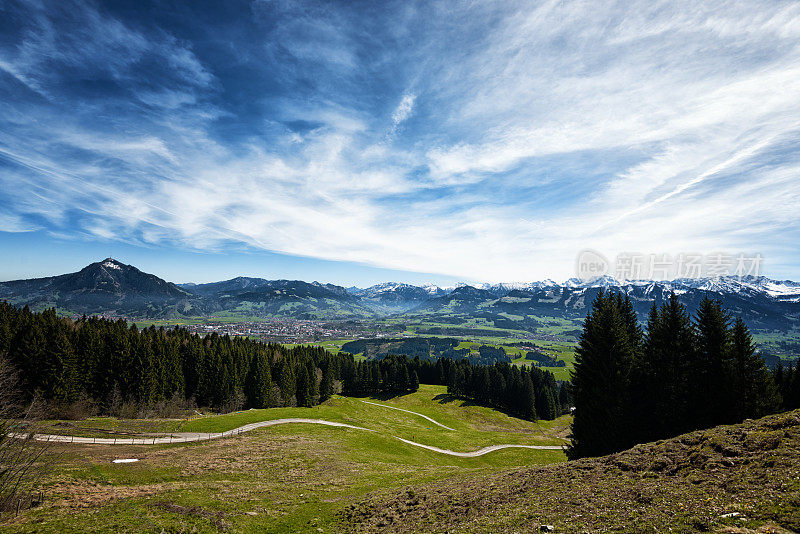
column 105, row 286
column 112, row 287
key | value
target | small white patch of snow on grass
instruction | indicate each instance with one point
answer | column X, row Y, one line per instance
column 125, row 460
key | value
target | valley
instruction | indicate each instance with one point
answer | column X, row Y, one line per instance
column 544, row 316
column 399, row 267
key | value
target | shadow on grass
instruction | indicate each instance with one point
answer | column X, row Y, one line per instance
column 446, row 398
column 388, row 396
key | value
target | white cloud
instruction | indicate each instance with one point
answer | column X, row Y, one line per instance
column 697, row 107
column 404, row 109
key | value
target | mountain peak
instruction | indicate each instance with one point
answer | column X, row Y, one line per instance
column 111, row 263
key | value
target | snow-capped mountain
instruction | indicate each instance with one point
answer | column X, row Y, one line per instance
column 785, row 290
column 504, row 287
column 395, row 296
column 112, row 286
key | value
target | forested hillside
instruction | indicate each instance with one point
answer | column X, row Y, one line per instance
column 106, row 365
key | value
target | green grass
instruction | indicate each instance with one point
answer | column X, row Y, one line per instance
column 331, row 345
column 474, row 426
column 292, row 477
column 109, row 426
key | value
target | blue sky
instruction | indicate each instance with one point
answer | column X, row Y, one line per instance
column 362, row 141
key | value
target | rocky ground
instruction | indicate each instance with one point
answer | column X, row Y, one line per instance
column 738, row 479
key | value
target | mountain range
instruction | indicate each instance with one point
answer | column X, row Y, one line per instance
column 112, row 287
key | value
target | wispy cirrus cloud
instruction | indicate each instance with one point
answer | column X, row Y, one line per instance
column 517, row 135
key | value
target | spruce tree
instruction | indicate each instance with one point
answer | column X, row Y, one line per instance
column 303, row 394
column 710, row 395
column 287, row 382
column 414, row 384
column 756, row 393
column 600, row 381
column 565, row 397
column 528, row 398
column 313, row 385
column 58, row 379
column 258, row 385
column 647, row 371
column 377, row 380
column 669, row 350
column 326, row 384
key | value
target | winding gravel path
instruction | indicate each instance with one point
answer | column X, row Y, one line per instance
column 187, row 437
column 409, row 411
column 484, row 450
column 181, row 437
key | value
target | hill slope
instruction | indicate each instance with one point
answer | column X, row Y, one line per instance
column 738, row 478
column 288, row 298
column 106, row 286
column 282, row 478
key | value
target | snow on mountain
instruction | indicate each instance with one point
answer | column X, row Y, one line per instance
column 504, row 287
column 111, row 263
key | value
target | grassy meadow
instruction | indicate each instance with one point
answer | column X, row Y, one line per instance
column 293, row 477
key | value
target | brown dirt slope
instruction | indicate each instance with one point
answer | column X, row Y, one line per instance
column 738, row 478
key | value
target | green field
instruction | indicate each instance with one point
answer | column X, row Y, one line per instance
column 286, row 478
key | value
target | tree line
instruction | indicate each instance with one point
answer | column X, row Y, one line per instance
column 679, row 374
column 526, row 392
column 787, row 379
column 110, row 364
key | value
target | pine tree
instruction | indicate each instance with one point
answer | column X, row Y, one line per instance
column 286, row 383
column 303, row 387
column 377, row 380
column 313, row 386
column 528, row 398
column 646, row 372
column 414, row 385
column 600, row 381
column 668, row 366
column 58, row 380
column 756, row 394
column 455, row 385
column 565, row 397
column 326, row 384
column 258, row 385
column 545, row 404
column 710, row 371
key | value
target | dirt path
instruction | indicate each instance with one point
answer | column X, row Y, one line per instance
column 409, row 411
column 181, row 437
column 484, row 450
column 187, row 437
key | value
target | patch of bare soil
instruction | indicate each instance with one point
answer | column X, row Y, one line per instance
column 216, row 518
column 738, row 478
column 86, row 494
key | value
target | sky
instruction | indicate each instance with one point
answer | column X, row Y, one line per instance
column 359, row 142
